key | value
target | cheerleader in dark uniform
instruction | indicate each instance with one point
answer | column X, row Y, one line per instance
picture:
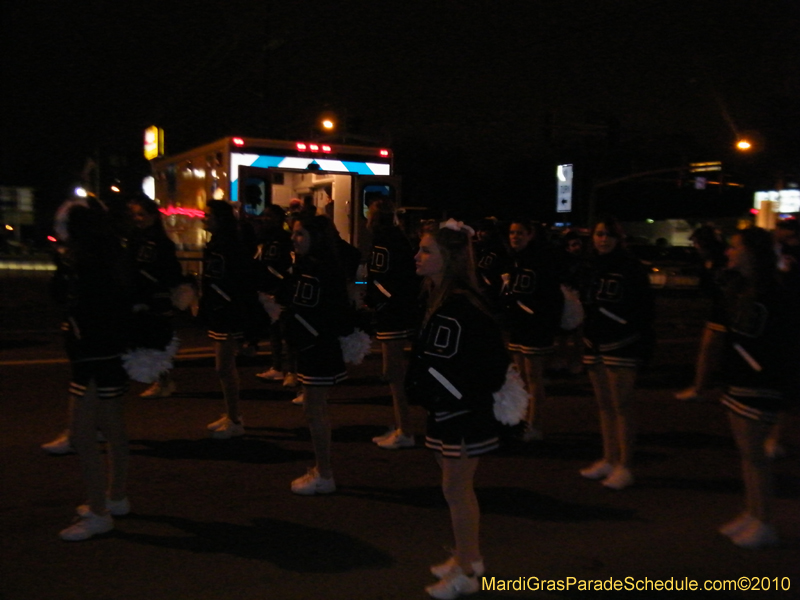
column 94, row 285
column 224, row 304
column 459, row 360
column 392, row 293
column 618, row 339
column 157, row 272
column 533, row 306
column 711, row 249
column 273, row 264
column 761, row 358
column 318, row 314
column 490, row 258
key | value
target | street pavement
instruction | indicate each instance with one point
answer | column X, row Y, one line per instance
column 216, row 520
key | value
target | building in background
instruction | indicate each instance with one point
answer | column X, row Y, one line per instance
column 16, row 218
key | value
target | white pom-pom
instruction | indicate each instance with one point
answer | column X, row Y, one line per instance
column 146, row 364
column 511, row 400
column 270, row 305
column 573, row 314
column 183, row 296
column 355, row 347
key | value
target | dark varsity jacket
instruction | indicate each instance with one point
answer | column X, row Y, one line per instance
column 533, row 297
column 458, row 360
column 157, row 268
column 319, row 307
column 95, row 292
column 618, row 301
column 228, row 287
column 274, row 262
column 762, row 345
column 392, row 272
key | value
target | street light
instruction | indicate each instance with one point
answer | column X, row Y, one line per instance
column 743, row 145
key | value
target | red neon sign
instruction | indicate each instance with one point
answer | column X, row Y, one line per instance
column 185, row 212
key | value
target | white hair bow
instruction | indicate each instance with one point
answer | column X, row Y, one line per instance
column 457, row 226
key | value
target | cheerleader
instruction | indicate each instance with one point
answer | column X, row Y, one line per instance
column 618, row 339
column 761, row 358
column 224, row 304
column 569, row 343
column 157, row 272
column 274, row 264
column 392, row 292
column 94, row 285
column 318, row 314
column 533, row 306
column 458, row 361
column 711, row 249
column 490, row 256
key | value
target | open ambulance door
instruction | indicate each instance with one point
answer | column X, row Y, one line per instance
column 254, row 191
column 366, row 190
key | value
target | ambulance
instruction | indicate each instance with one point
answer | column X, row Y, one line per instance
column 338, row 180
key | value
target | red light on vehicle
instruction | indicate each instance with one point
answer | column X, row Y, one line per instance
column 237, row 141
column 50, row 238
column 326, row 148
column 753, row 211
column 301, row 146
column 384, row 153
column 313, row 147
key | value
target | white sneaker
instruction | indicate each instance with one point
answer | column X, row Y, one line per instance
column 312, row 483
column 688, row 394
column 598, row 470
column 60, row 445
column 396, row 440
column 228, row 430
column 218, row 423
column 290, row 380
column 619, row 479
column 739, row 524
column 756, row 535
column 270, row 375
column 159, row 391
column 443, row 570
column 300, row 399
column 116, row 508
column 86, row 526
column 379, row 438
column 454, row 585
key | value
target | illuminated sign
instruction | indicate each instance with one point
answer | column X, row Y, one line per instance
column 184, row 212
column 788, row 201
column 704, row 167
column 564, row 188
column 153, row 142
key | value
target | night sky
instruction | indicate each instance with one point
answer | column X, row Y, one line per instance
column 468, row 92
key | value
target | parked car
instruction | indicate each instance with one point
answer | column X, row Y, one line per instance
column 671, row 267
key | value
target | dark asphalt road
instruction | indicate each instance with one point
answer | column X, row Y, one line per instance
column 216, row 520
